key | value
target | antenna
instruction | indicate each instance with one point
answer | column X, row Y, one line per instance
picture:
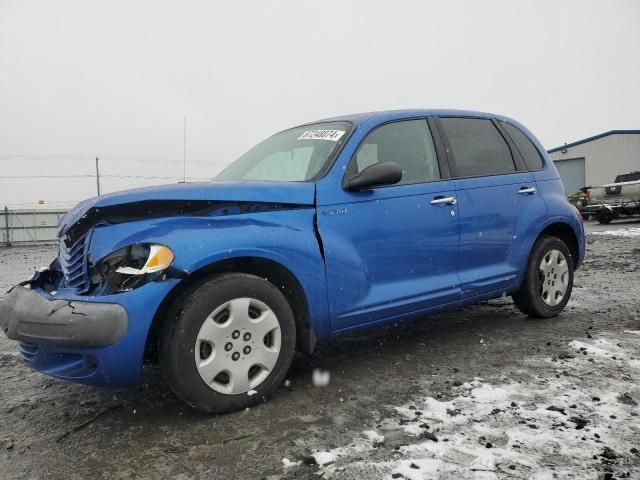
column 184, row 151
column 98, row 175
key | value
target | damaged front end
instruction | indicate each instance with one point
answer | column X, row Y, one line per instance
column 83, row 330
column 87, row 320
column 88, row 317
column 97, row 337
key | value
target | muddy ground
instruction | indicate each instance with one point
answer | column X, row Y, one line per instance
column 464, row 394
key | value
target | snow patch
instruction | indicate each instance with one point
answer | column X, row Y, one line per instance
column 374, row 436
column 591, row 349
column 289, row 464
column 370, row 440
column 555, row 425
column 623, row 232
column 322, row 458
column 488, row 393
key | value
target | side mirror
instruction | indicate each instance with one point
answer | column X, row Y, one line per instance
column 386, row 173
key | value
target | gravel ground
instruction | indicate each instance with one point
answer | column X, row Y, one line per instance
column 481, row 392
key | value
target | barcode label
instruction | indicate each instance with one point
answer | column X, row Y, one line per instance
column 332, row 135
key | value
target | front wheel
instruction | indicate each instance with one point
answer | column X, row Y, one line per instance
column 230, row 345
column 548, row 280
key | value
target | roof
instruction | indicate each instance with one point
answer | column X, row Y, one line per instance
column 372, row 119
column 359, row 118
column 595, row 137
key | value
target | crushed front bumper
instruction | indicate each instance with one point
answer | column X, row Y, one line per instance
column 90, row 339
column 30, row 318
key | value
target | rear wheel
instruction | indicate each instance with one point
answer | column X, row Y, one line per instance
column 548, row 280
column 230, row 345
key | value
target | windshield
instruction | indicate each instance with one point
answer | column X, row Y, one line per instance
column 294, row 155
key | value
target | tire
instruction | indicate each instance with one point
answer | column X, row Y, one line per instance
column 605, row 218
column 253, row 331
column 540, row 300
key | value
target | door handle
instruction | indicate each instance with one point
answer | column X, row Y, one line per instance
column 444, row 201
column 527, row 191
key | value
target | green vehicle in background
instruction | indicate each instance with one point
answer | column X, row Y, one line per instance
column 581, row 200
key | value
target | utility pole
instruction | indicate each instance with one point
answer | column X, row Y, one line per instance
column 98, row 175
column 184, row 150
column 6, row 225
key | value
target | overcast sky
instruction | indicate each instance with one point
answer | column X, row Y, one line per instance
column 115, row 78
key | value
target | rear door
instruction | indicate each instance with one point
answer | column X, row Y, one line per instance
column 391, row 251
column 498, row 203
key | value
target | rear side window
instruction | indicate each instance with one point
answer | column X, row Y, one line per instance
column 527, row 149
column 407, row 143
column 478, row 147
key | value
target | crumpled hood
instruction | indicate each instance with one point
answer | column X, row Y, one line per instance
column 187, row 199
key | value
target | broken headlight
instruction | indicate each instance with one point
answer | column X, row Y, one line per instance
column 133, row 266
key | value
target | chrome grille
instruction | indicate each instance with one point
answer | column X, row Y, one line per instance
column 73, row 262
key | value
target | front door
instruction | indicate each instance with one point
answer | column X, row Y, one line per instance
column 391, row 251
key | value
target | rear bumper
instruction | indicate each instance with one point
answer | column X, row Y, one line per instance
column 30, row 318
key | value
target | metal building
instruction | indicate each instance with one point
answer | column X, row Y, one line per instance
column 597, row 160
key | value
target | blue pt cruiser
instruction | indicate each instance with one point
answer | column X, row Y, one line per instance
column 318, row 230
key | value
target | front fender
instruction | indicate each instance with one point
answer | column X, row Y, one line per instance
column 286, row 237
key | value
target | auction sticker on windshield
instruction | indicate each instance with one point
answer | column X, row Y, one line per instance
column 333, row 135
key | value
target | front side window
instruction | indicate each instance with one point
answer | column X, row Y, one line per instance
column 408, row 144
column 525, row 146
column 478, row 147
column 295, row 155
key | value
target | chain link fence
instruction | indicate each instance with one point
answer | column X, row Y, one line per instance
column 29, row 226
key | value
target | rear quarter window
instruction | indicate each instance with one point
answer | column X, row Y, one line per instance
column 478, row 147
column 527, row 149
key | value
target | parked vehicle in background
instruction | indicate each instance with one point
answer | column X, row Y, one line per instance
column 581, row 200
column 617, row 199
column 319, row 230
